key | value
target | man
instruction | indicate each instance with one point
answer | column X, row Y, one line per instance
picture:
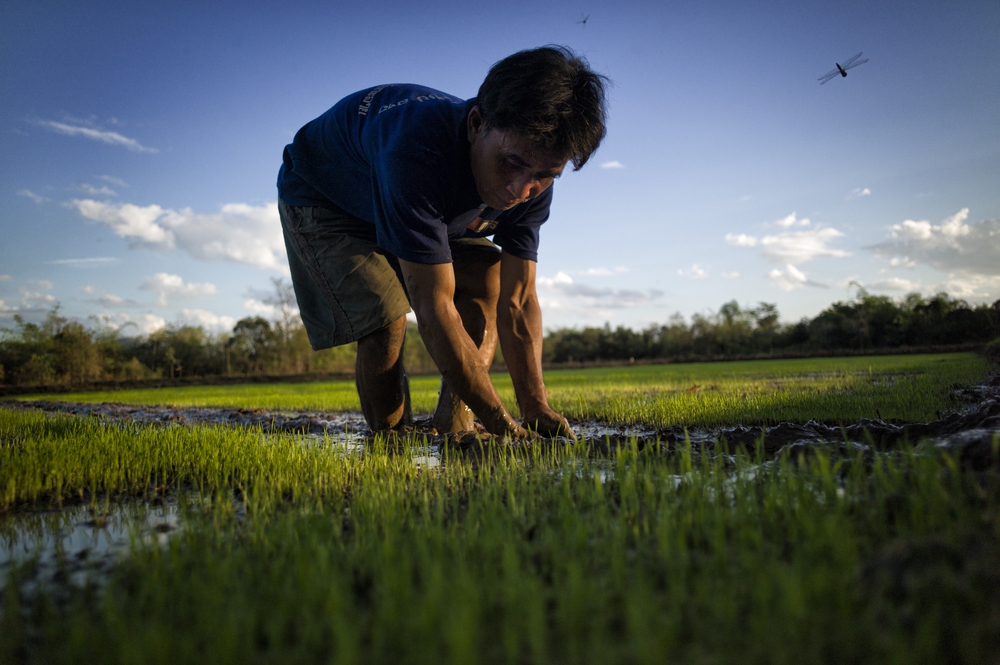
column 386, row 201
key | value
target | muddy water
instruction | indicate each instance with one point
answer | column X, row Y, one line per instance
column 72, row 544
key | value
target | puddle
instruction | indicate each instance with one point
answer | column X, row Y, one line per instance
column 73, row 543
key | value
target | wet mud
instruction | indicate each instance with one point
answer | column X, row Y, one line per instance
column 969, row 431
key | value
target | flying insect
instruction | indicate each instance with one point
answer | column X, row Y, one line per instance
column 842, row 68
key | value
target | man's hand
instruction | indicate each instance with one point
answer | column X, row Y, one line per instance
column 519, row 326
column 548, row 423
column 432, row 292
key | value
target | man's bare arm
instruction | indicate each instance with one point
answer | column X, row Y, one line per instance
column 519, row 327
column 432, row 292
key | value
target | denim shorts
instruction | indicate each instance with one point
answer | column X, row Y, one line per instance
column 346, row 286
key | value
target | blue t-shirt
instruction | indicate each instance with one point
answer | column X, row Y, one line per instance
column 398, row 156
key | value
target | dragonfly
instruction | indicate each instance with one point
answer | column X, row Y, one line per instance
column 842, row 68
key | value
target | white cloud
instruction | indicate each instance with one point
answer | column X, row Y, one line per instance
column 259, row 308
column 558, row 281
column 694, row 272
column 114, row 181
column 5, row 278
column 563, row 294
column 601, row 271
column 36, row 299
column 93, row 262
column 790, row 221
column 207, row 320
column 130, row 221
column 172, row 287
column 789, row 248
column 730, row 275
column 972, row 286
column 791, row 278
column 960, row 288
column 858, row 192
column 239, row 232
column 741, row 240
column 902, row 262
column 147, row 323
column 947, row 233
column 801, row 246
column 792, row 246
column 112, row 138
column 96, row 191
column 37, row 198
column 32, row 300
column 141, row 324
column 895, row 284
column 111, row 300
column 953, row 245
column 613, row 164
column 745, row 197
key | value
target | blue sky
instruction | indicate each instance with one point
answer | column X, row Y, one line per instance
column 140, row 141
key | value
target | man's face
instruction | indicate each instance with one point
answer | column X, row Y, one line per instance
column 508, row 168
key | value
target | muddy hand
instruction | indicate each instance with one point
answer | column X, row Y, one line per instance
column 548, row 424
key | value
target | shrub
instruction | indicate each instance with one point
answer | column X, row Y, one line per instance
column 992, row 351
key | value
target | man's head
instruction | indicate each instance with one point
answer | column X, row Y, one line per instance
column 549, row 97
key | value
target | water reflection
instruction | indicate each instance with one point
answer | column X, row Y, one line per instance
column 77, row 541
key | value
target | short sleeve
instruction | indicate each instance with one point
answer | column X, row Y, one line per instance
column 518, row 235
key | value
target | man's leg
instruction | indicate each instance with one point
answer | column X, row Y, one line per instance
column 477, row 289
column 382, row 383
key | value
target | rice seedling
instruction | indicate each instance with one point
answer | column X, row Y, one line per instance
column 906, row 388
column 298, row 549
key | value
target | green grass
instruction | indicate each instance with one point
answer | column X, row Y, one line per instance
column 524, row 556
column 296, row 550
column 833, row 390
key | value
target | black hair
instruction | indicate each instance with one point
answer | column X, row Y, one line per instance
column 551, row 97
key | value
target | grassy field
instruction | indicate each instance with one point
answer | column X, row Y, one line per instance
column 291, row 549
column 834, row 390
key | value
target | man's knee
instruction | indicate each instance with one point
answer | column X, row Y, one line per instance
column 478, row 280
column 385, row 344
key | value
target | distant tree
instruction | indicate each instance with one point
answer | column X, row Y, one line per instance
column 76, row 355
column 57, row 351
column 60, row 350
column 286, row 324
column 253, row 346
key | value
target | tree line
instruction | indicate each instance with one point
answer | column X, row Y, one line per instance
column 64, row 351
column 864, row 323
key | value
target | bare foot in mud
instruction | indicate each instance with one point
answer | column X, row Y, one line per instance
column 452, row 416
